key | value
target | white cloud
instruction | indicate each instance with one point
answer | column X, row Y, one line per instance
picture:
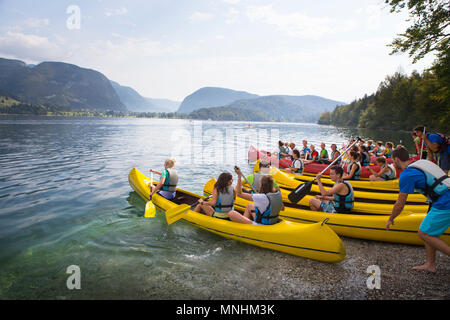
column 116, row 12
column 36, row 23
column 29, row 47
column 231, row 16
column 232, row 1
column 298, row 24
column 200, row 16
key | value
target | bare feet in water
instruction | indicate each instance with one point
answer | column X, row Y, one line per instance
column 427, row 267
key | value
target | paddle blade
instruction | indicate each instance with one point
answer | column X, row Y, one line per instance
column 175, row 214
column 300, row 192
column 150, row 210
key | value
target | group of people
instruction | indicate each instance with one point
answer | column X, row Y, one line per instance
column 266, row 201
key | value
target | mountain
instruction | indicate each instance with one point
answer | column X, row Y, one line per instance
column 58, row 84
column 131, row 99
column 164, row 105
column 210, row 97
column 271, row 108
column 229, row 114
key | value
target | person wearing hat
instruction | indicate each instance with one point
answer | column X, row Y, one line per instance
column 255, row 178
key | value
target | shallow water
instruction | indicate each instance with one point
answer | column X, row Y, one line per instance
column 65, row 200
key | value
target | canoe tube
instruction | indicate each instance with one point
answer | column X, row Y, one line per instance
column 314, row 241
column 288, row 182
column 360, row 226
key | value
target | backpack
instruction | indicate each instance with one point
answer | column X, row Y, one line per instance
column 445, row 142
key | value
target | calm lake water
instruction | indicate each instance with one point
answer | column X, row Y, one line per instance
column 65, row 200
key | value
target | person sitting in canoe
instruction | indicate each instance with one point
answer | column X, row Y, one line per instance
column 370, row 146
column 335, row 154
column 387, row 171
column 167, row 186
column 323, row 156
column 339, row 199
column 354, row 168
column 297, row 163
column 364, row 156
column 377, row 151
column 255, row 178
column 283, row 152
column 388, row 148
column 314, row 155
column 222, row 201
column 267, row 203
column 305, row 152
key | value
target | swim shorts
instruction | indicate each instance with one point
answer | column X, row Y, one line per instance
column 328, row 207
column 436, row 222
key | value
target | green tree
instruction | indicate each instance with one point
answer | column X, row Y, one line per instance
column 429, row 30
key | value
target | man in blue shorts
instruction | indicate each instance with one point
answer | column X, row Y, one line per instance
column 421, row 176
column 436, row 143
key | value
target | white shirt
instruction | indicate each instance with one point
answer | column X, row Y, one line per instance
column 261, row 201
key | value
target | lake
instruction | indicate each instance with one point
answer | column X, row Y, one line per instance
column 65, row 200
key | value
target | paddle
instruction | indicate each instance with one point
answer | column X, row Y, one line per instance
column 237, row 168
column 176, row 213
column 423, row 139
column 302, row 190
column 150, row 210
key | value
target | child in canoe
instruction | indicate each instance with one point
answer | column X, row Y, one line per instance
column 297, row 163
column 267, row 203
column 387, row 171
column 167, row 185
column 222, row 201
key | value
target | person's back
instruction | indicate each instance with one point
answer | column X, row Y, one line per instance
column 344, row 202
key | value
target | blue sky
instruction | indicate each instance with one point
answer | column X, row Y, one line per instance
column 169, row 49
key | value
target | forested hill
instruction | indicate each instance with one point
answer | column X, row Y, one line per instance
column 58, row 84
column 401, row 102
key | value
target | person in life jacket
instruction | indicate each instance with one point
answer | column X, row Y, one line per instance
column 313, row 155
column 354, row 168
column 266, row 205
column 388, row 148
column 297, row 164
column 323, row 155
column 339, row 199
column 427, row 178
column 222, row 201
column 255, row 178
column 335, row 154
column 283, row 151
column 305, row 153
column 364, row 156
column 387, row 171
column 439, row 143
column 167, row 185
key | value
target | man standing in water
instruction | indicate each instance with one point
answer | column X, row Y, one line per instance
column 430, row 180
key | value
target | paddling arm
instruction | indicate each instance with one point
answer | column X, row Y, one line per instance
column 330, row 192
column 398, row 208
column 157, row 172
column 158, row 186
column 213, row 200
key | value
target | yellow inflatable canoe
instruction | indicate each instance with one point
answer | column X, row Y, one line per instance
column 360, row 207
column 314, row 241
column 288, row 182
column 360, row 226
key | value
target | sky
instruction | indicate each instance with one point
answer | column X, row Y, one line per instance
column 171, row 48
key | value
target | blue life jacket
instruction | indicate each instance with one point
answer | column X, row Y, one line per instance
column 436, row 181
column 270, row 215
column 365, row 159
column 344, row 204
column 357, row 174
